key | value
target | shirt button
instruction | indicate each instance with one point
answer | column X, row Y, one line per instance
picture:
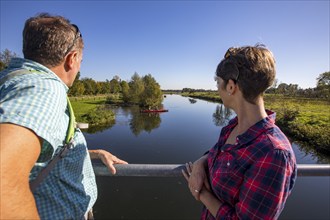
column 221, row 151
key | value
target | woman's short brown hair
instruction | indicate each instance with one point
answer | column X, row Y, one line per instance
column 48, row 39
column 251, row 67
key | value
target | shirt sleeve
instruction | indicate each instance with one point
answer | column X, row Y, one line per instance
column 37, row 104
column 265, row 189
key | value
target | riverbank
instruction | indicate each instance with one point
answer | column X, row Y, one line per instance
column 304, row 120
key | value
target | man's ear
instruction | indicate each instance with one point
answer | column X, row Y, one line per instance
column 70, row 60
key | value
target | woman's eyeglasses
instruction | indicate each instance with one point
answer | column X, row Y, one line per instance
column 78, row 35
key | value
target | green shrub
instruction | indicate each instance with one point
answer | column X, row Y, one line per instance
column 99, row 115
column 314, row 135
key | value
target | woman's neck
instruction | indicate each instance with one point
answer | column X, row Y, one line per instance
column 249, row 114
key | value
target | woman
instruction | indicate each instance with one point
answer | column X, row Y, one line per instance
column 251, row 170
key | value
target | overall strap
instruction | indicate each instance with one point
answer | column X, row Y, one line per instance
column 67, row 145
column 72, row 122
column 16, row 73
column 68, row 138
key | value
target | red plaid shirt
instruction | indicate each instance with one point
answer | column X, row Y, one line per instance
column 253, row 177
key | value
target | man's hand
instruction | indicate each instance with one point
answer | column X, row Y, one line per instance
column 107, row 158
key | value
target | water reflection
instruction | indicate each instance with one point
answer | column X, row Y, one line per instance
column 144, row 122
column 308, row 154
column 221, row 116
column 192, row 101
column 99, row 128
column 136, row 120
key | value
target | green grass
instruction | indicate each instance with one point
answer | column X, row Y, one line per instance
column 311, row 111
column 306, row 120
column 84, row 105
column 211, row 96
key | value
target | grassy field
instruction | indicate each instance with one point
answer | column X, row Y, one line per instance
column 84, row 105
column 211, row 96
column 306, row 120
column 311, row 111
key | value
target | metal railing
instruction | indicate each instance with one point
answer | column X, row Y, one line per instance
column 174, row 170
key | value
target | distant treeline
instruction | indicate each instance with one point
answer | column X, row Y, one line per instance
column 88, row 86
column 144, row 91
column 322, row 89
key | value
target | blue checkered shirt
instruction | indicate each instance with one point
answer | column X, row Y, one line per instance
column 37, row 100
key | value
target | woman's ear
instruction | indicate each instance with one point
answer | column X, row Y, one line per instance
column 231, row 86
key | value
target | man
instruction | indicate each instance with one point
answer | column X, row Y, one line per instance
column 34, row 123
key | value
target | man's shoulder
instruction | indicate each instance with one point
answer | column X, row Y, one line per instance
column 24, row 72
column 28, row 80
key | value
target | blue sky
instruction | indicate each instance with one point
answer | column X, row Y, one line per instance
column 180, row 43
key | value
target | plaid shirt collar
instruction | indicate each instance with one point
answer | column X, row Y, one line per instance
column 252, row 133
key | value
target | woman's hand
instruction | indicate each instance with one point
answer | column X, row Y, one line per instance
column 196, row 176
column 204, row 194
column 107, row 158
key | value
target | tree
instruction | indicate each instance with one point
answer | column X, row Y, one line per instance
column 188, row 90
column 323, row 79
column 143, row 91
column 116, row 77
column 125, row 90
column 323, row 85
column 99, row 88
column 282, row 88
column 152, row 95
column 90, row 86
column 136, row 88
column 292, row 89
column 77, row 89
column 105, row 87
column 114, row 86
column 5, row 57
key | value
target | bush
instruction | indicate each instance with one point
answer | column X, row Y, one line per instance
column 310, row 134
column 313, row 135
column 100, row 115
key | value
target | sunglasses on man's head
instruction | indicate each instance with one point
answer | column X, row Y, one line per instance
column 78, row 35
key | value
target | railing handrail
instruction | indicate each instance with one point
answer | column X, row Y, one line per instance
column 174, row 170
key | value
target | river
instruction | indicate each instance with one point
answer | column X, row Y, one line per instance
column 183, row 134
